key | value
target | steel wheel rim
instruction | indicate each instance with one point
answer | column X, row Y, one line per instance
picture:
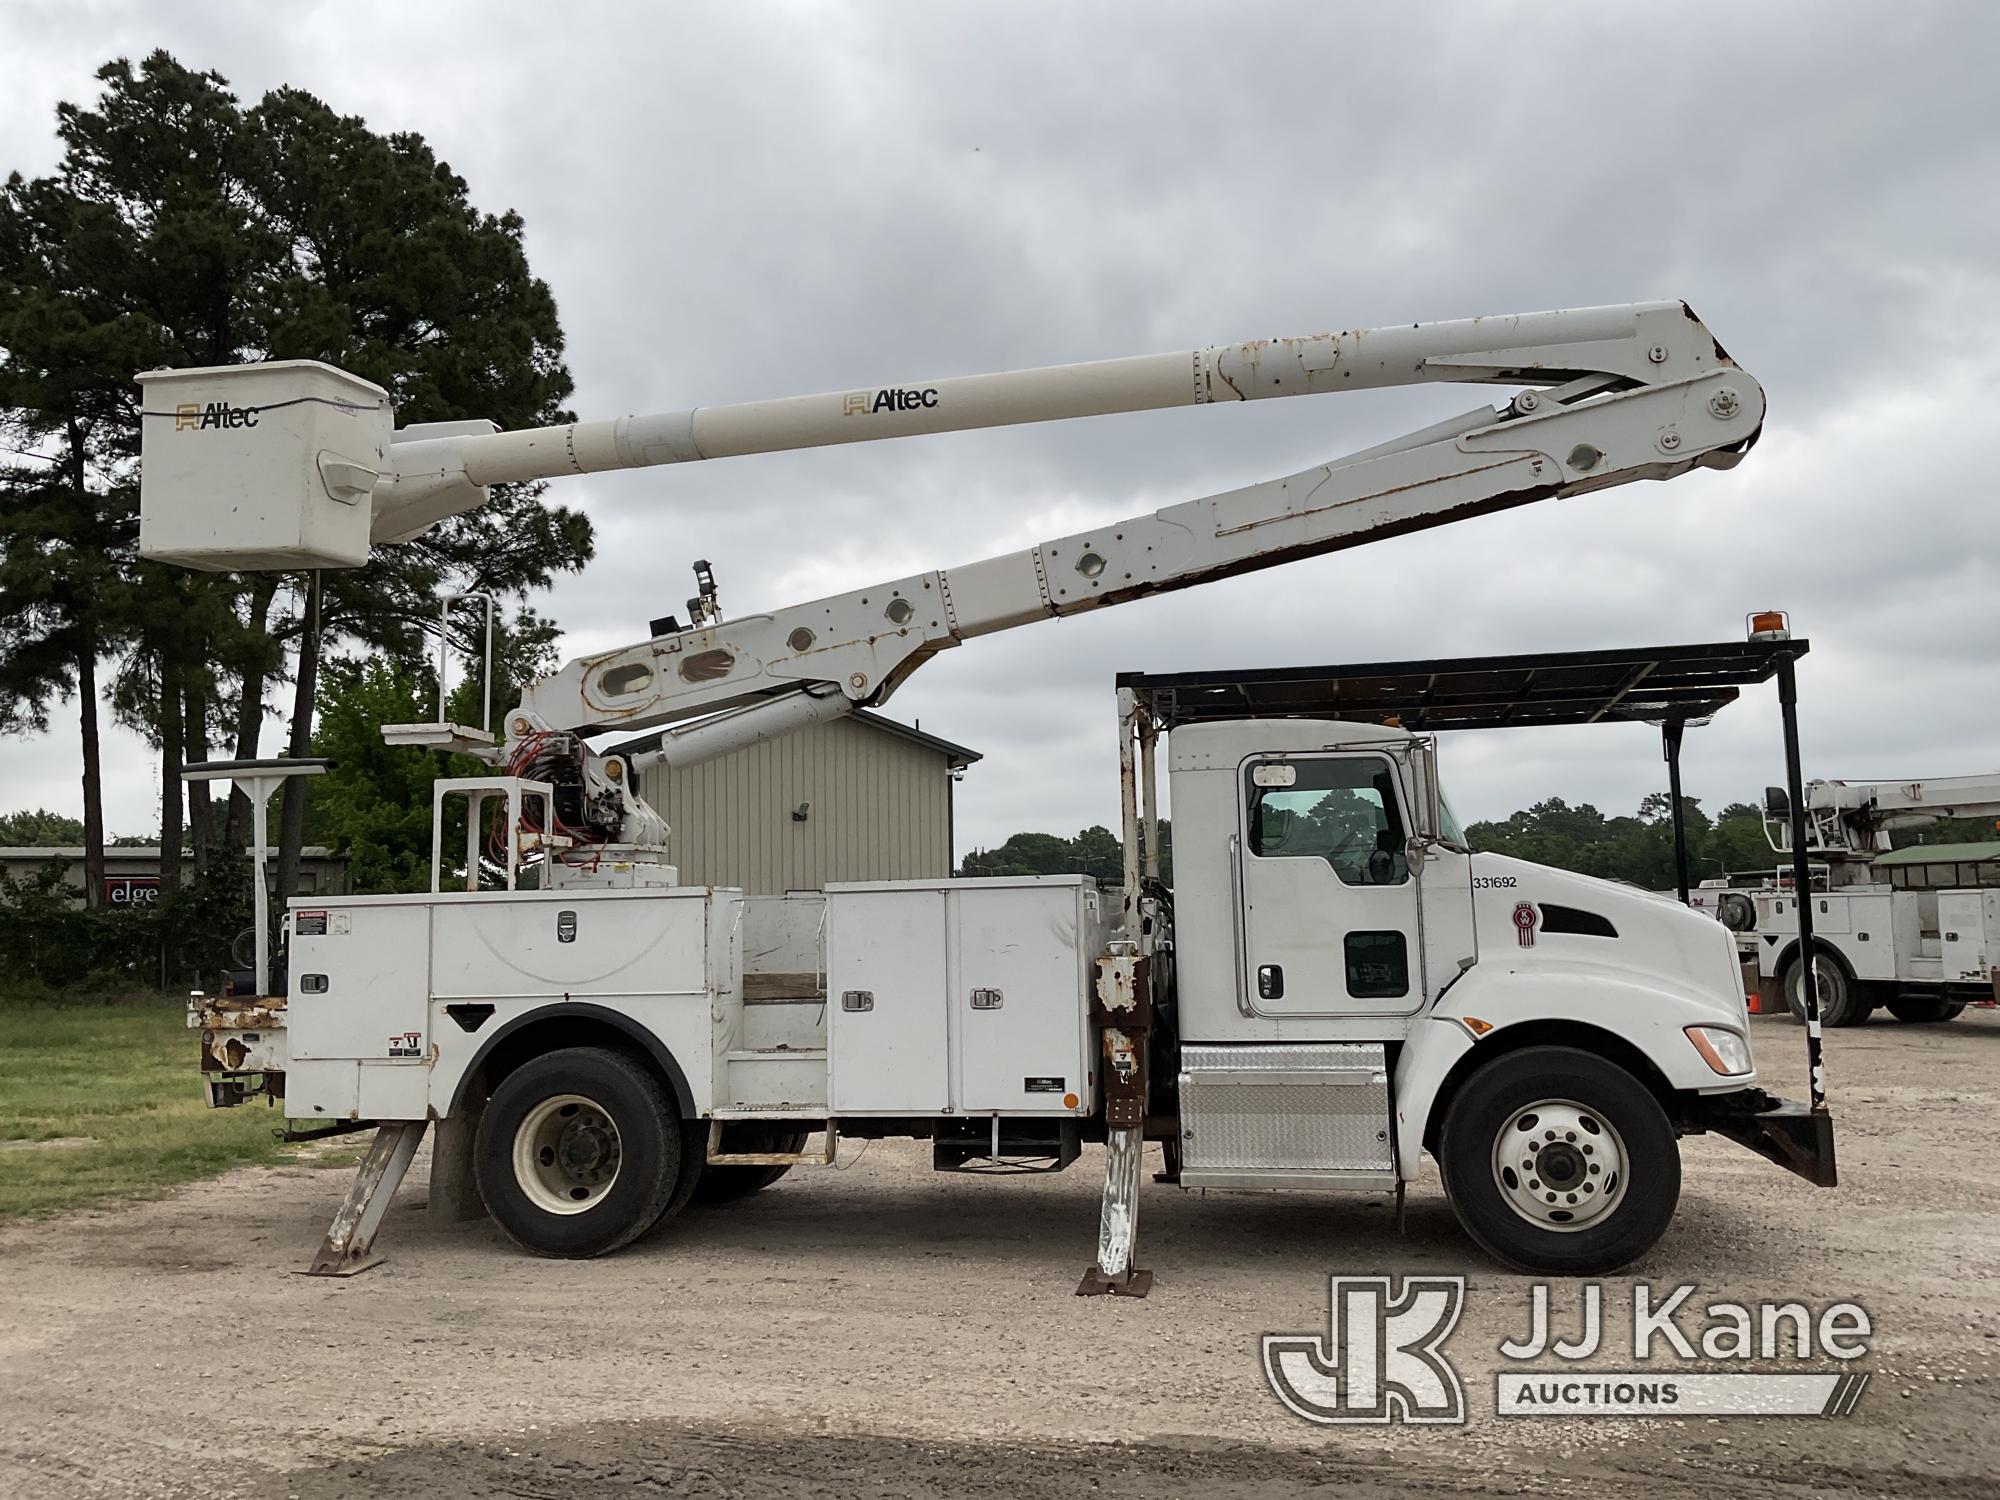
column 567, row 1154
column 1560, row 1166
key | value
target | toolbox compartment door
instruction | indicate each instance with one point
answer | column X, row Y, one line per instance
column 360, row 981
column 886, row 989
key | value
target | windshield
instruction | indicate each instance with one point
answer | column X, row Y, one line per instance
column 1450, row 829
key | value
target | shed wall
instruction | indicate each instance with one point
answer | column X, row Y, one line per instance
column 880, row 810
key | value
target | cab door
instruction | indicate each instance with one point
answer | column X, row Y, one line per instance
column 1327, row 916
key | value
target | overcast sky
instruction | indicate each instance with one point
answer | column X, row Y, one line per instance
column 742, row 201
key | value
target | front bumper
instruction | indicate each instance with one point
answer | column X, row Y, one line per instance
column 1779, row 1130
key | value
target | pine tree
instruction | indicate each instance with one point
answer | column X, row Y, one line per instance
column 181, row 229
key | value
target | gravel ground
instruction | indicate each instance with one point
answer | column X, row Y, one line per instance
column 882, row 1330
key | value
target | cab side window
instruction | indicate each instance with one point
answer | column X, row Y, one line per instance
column 1341, row 809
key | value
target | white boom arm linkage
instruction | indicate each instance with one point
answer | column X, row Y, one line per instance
column 1855, row 817
column 1614, row 394
column 1625, row 393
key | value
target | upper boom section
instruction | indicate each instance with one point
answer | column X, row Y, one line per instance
column 296, row 464
column 1856, row 817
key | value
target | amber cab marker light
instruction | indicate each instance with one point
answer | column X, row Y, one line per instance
column 1770, row 625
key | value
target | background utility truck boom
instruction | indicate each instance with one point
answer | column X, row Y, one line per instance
column 1335, row 985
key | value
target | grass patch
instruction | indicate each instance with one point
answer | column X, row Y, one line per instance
column 117, row 1089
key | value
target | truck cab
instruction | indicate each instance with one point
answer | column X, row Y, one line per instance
column 1345, row 966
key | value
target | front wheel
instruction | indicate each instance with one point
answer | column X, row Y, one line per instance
column 1559, row 1162
column 578, row 1152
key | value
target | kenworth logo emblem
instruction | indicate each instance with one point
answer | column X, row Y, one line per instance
column 1525, row 917
column 217, row 414
column 864, row 403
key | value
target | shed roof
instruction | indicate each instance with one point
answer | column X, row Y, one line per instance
column 958, row 755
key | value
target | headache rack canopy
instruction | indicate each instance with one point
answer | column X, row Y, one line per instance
column 1665, row 685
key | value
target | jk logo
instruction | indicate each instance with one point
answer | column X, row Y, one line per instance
column 1381, row 1359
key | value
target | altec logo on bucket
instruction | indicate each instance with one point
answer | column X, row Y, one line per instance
column 1382, row 1357
column 188, row 417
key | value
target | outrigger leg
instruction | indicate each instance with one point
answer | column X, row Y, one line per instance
column 346, row 1249
column 1118, row 1225
column 1124, row 1015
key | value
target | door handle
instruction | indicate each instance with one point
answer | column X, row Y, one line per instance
column 1270, row 981
column 987, row 999
column 853, row 1000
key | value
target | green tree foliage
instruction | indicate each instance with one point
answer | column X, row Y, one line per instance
column 1095, row 851
column 374, row 804
column 40, row 829
column 1950, row 831
column 1639, row 849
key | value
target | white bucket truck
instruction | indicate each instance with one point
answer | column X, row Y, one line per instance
column 1915, row 931
column 1334, row 985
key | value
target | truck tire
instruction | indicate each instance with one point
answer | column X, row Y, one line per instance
column 1841, row 1002
column 728, row 1184
column 1924, row 1010
column 1560, row 1163
column 578, row 1152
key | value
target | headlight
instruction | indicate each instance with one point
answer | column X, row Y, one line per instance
column 1726, row 1051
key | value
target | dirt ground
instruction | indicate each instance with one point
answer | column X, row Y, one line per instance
column 882, row 1330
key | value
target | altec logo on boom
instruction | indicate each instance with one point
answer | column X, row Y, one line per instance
column 188, row 417
column 889, row 398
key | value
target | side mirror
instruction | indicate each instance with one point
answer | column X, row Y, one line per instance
column 1426, row 795
column 1777, row 804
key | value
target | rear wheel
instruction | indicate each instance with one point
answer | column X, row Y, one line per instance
column 1559, row 1162
column 1924, row 1010
column 727, row 1184
column 578, row 1152
column 1841, row 1002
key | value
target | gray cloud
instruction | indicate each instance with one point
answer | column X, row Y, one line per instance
column 736, row 202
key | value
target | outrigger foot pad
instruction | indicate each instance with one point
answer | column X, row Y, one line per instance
column 1125, row 1284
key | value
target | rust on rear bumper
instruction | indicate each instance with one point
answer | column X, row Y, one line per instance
column 244, row 1045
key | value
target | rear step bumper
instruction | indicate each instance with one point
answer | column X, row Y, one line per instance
column 1779, row 1130
column 245, row 1047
